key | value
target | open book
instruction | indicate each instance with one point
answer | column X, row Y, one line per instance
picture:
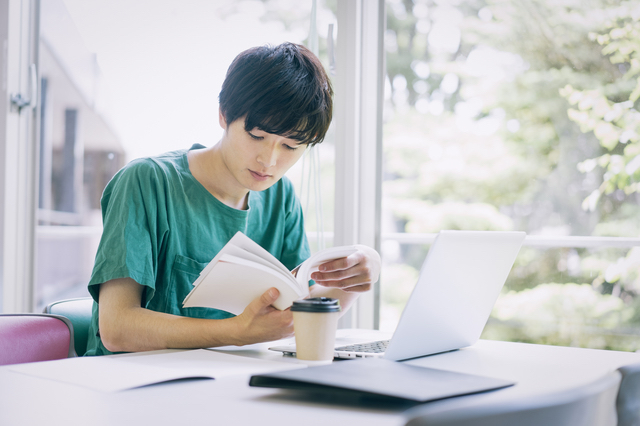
column 243, row 270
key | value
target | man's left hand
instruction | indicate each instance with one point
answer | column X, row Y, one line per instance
column 355, row 273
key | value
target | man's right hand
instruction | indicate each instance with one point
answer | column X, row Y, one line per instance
column 261, row 322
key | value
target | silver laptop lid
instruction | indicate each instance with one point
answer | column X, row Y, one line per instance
column 459, row 283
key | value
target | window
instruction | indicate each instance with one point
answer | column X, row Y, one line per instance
column 511, row 116
column 97, row 114
column 79, row 152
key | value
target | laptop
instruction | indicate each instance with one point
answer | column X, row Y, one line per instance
column 459, row 282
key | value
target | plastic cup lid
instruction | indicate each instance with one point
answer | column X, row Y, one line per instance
column 316, row 304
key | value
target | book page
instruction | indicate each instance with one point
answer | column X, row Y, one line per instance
column 287, row 277
column 232, row 286
column 246, row 243
column 241, row 246
column 243, row 270
column 241, row 253
column 227, row 247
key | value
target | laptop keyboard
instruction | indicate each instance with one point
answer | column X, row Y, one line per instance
column 371, row 347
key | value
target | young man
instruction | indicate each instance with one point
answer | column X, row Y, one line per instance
column 166, row 217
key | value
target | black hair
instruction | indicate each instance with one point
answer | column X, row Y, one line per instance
column 282, row 90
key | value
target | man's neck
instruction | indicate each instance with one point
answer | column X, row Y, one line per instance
column 208, row 167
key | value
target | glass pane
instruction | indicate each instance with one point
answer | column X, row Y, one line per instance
column 80, row 150
column 588, row 299
column 497, row 121
column 561, row 296
column 122, row 80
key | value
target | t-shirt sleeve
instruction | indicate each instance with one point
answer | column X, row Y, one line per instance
column 296, row 246
column 134, row 224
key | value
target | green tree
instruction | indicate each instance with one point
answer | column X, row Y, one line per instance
column 497, row 149
column 609, row 111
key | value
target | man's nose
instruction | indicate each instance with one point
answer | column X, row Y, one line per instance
column 268, row 156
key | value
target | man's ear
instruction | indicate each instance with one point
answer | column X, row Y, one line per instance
column 221, row 119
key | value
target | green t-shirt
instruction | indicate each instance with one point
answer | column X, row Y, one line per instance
column 162, row 227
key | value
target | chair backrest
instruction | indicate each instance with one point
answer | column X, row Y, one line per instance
column 78, row 311
column 34, row 337
column 628, row 401
column 593, row 404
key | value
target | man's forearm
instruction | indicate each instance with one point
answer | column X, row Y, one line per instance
column 140, row 329
column 127, row 327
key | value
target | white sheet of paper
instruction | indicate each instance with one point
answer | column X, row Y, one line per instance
column 122, row 372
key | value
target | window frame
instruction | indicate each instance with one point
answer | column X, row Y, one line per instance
column 18, row 153
column 358, row 200
column 359, row 95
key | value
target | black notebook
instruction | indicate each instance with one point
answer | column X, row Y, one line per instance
column 381, row 378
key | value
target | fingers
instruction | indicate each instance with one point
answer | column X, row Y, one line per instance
column 342, row 263
column 261, row 322
column 353, row 284
column 341, row 269
column 265, row 300
column 358, row 278
column 365, row 256
column 269, row 296
column 337, row 275
column 354, row 273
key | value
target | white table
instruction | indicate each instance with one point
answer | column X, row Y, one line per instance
column 538, row 370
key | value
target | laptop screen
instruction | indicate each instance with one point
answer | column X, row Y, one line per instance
column 459, row 283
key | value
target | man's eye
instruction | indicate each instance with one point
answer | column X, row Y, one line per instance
column 291, row 148
column 258, row 138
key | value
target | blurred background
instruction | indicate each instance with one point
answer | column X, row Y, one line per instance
column 498, row 115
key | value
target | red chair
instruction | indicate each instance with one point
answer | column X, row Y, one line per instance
column 35, row 337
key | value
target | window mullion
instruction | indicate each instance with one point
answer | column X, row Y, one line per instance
column 18, row 155
column 359, row 91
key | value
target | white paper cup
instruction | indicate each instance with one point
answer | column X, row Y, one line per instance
column 315, row 322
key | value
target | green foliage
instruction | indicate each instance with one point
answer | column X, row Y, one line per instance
column 609, row 111
column 527, row 172
column 435, row 161
column 569, row 302
column 563, row 314
column 498, row 150
column 424, row 216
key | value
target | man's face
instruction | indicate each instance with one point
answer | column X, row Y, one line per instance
column 255, row 158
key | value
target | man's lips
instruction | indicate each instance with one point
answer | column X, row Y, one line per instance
column 259, row 176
